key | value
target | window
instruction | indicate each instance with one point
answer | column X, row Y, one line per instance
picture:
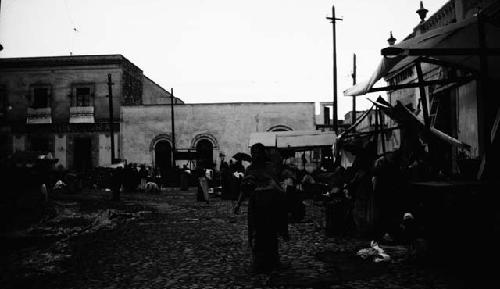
column 83, row 95
column 41, row 97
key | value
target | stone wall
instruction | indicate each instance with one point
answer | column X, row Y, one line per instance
column 226, row 125
column 18, row 84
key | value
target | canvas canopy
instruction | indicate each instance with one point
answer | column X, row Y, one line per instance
column 268, row 139
column 461, row 35
column 293, row 139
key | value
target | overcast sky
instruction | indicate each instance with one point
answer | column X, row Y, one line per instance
column 218, row 50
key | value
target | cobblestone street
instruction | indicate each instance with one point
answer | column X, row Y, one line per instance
column 176, row 242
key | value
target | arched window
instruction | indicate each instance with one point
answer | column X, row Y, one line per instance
column 280, row 127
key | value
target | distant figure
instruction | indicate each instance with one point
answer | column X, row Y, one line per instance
column 224, row 165
column 237, row 167
column 130, row 176
column 116, row 183
column 184, row 182
column 226, row 181
column 143, row 175
column 267, row 216
column 202, row 195
column 237, row 171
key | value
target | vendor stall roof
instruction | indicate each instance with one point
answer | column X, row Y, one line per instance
column 455, row 44
column 268, row 139
column 293, row 139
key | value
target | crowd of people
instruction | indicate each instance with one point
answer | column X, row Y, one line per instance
column 365, row 198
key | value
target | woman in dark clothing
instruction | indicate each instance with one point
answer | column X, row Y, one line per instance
column 267, row 215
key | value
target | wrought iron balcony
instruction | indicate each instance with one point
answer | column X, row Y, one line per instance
column 81, row 114
column 39, row 115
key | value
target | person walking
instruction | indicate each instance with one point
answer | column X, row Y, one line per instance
column 267, row 216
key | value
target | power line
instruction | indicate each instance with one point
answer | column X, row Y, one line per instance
column 69, row 16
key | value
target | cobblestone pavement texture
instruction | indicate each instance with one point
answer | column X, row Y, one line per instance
column 169, row 240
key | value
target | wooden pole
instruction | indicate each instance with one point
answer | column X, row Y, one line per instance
column 353, row 83
column 333, row 20
column 381, row 129
column 482, row 115
column 111, row 129
column 423, row 97
column 173, row 125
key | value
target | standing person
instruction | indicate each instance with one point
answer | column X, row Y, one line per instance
column 184, row 186
column 116, row 183
column 143, row 175
column 202, row 195
column 237, row 171
column 238, row 167
column 225, row 173
column 128, row 178
column 267, row 217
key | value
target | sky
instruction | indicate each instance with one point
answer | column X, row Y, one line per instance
column 220, row 50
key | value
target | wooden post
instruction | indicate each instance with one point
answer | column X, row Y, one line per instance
column 333, row 20
column 482, row 108
column 377, row 127
column 353, row 83
column 423, row 97
column 382, row 134
column 111, row 129
column 173, row 126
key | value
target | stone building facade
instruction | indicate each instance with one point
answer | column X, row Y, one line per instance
column 60, row 105
column 214, row 129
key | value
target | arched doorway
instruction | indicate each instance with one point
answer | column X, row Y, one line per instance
column 163, row 156
column 205, row 153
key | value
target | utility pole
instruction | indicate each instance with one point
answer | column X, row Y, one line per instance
column 353, row 121
column 111, row 131
column 335, row 111
column 1, row 47
column 173, row 126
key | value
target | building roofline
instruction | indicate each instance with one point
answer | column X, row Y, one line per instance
column 429, row 21
column 66, row 60
column 225, row 103
column 253, row 102
column 152, row 81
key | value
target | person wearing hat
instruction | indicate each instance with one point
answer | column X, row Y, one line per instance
column 267, row 215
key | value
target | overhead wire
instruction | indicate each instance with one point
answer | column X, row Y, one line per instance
column 73, row 27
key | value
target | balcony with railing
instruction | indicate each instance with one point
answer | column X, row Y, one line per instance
column 81, row 114
column 38, row 115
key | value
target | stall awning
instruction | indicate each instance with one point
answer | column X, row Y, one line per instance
column 304, row 139
column 265, row 138
column 293, row 139
column 461, row 35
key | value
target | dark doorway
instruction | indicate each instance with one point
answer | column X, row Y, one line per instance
column 82, row 154
column 163, row 157
column 205, row 151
